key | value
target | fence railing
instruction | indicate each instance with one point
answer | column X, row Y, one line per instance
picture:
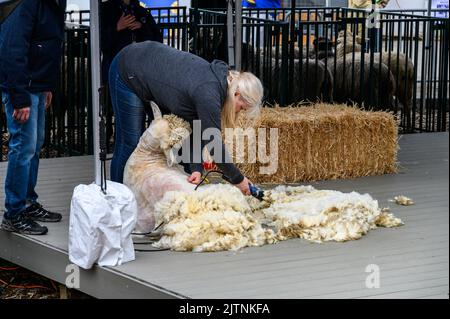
column 300, row 54
column 264, row 49
column 416, row 51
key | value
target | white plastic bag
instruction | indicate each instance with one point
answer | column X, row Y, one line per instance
column 101, row 225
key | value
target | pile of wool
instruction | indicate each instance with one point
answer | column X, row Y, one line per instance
column 213, row 218
column 322, row 215
column 218, row 217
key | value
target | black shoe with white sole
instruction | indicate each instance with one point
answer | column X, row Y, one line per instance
column 38, row 213
column 23, row 225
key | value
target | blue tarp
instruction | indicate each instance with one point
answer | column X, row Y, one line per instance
column 158, row 3
column 261, row 3
column 245, row 3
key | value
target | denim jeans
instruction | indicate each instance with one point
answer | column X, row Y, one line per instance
column 25, row 144
column 129, row 118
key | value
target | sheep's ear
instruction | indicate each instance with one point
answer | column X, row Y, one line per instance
column 156, row 111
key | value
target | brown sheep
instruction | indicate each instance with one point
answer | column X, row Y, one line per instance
column 377, row 86
column 312, row 80
column 400, row 65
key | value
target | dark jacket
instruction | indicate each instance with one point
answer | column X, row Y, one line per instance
column 30, row 49
column 182, row 84
column 112, row 41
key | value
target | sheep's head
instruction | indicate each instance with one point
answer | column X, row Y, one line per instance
column 350, row 45
column 165, row 134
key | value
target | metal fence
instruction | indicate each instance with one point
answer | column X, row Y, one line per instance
column 300, row 54
column 400, row 65
column 415, row 50
column 264, row 49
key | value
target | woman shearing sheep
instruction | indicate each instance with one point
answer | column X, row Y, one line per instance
column 182, row 84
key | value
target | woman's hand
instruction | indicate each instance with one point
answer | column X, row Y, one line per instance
column 244, row 186
column 195, row 178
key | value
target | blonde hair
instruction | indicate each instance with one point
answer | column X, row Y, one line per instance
column 251, row 91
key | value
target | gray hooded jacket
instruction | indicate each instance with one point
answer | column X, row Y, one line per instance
column 182, row 84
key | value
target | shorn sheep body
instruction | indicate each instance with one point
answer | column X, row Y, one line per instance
column 150, row 171
column 219, row 217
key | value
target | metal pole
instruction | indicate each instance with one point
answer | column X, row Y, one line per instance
column 95, row 75
column 230, row 34
column 429, row 8
column 238, row 43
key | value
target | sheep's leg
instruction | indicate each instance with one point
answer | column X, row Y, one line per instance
column 153, row 190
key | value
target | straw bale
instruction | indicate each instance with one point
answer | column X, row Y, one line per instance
column 322, row 142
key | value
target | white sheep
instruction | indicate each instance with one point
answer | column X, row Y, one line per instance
column 150, row 171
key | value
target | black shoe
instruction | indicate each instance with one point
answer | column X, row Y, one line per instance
column 23, row 225
column 38, row 213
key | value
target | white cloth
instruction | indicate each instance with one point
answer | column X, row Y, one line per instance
column 101, row 225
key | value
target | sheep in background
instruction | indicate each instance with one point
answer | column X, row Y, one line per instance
column 378, row 84
column 401, row 66
column 150, row 171
column 312, row 80
column 323, row 48
column 320, row 49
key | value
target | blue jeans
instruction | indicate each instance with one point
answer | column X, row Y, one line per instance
column 129, row 118
column 25, row 144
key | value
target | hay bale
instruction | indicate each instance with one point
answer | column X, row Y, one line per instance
column 323, row 142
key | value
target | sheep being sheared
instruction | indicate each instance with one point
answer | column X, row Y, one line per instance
column 150, row 171
column 219, row 217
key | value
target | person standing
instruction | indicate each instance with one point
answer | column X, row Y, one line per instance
column 124, row 22
column 367, row 5
column 30, row 53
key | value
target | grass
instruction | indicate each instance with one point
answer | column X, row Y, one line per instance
column 19, row 283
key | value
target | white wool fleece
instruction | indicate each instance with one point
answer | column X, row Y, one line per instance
column 213, row 218
column 324, row 215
